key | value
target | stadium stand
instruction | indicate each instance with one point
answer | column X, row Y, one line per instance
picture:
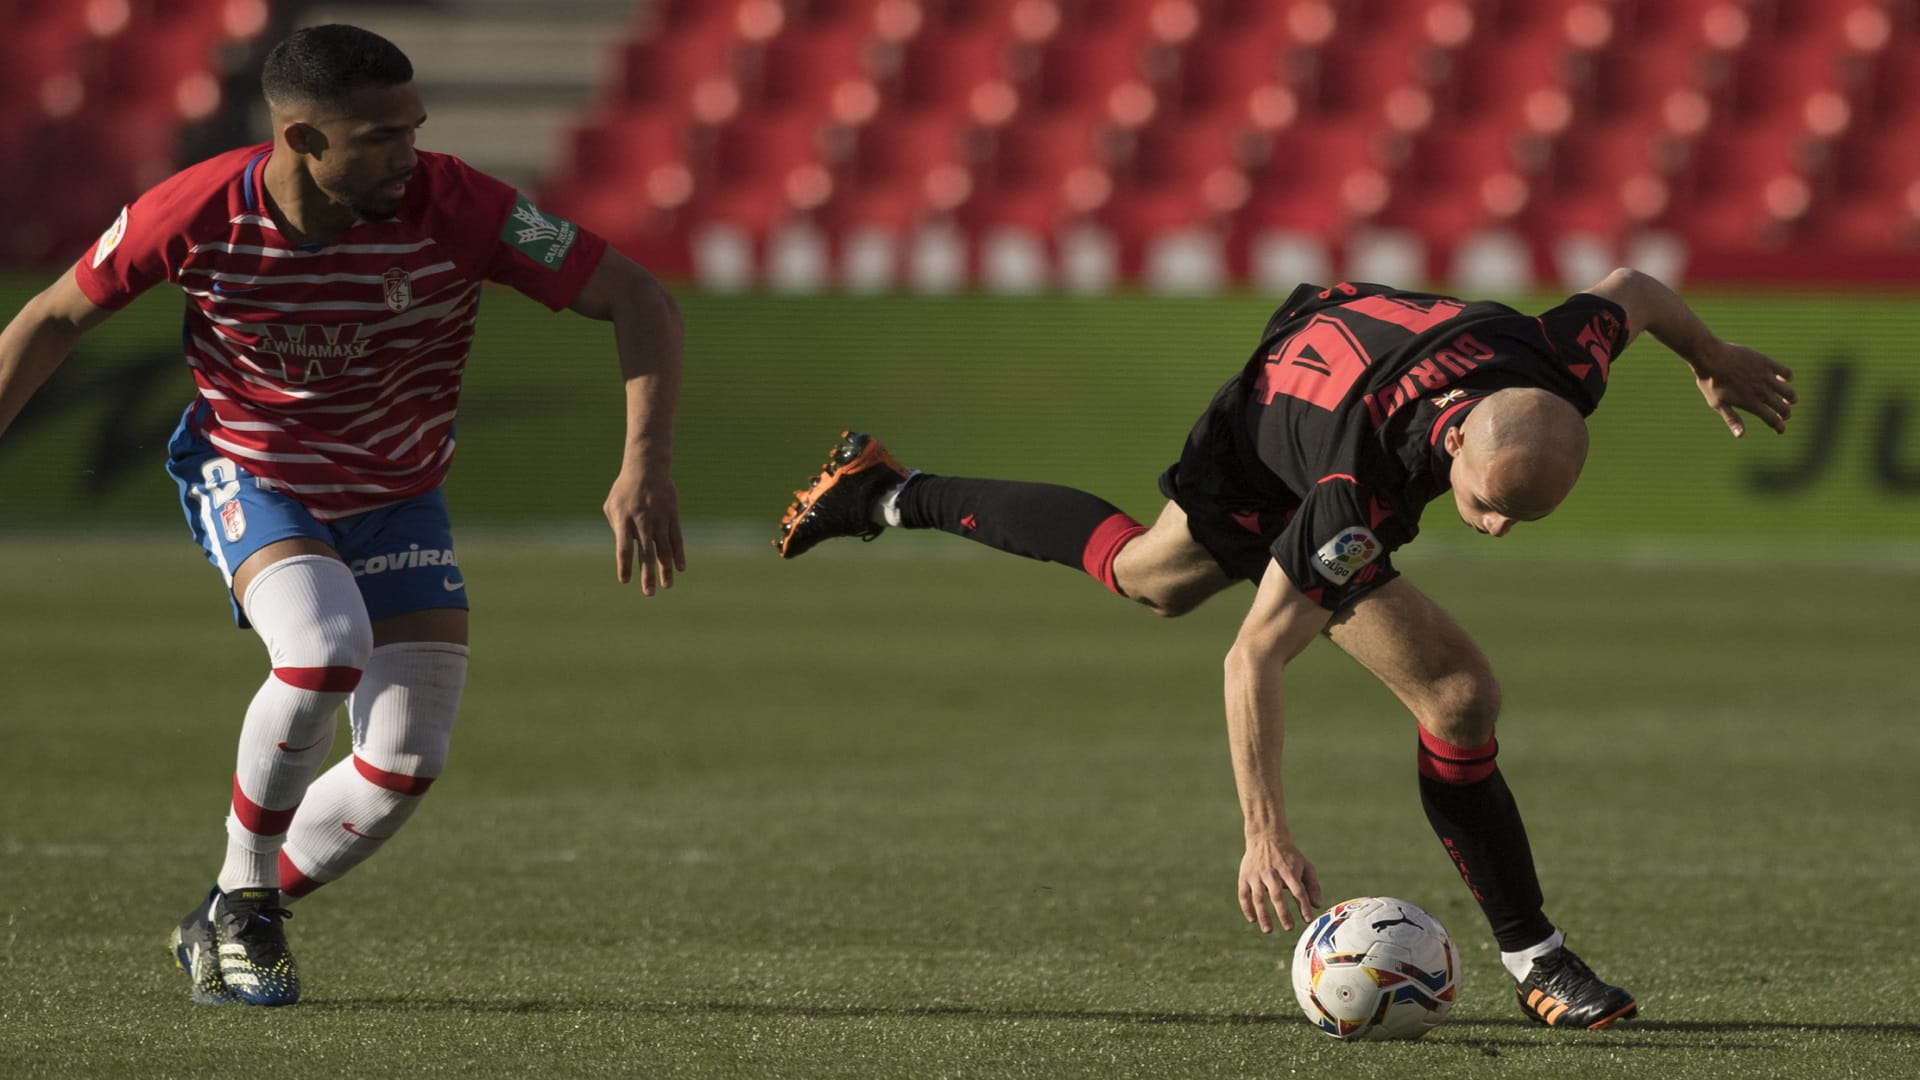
column 1176, row 144
column 1188, row 144
column 93, row 97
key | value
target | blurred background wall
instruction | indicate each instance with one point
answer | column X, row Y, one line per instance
column 1029, row 236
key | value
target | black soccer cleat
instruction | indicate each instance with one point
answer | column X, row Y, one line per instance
column 194, row 950
column 839, row 501
column 255, row 963
column 1562, row 991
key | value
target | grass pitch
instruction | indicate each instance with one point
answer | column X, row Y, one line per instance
column 902, row 811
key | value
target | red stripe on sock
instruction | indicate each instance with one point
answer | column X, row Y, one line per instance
column 1104, row 546
column 292, row 881
column 1450, row 764
column 337, row 679
column 258, row 819
column 392, row 781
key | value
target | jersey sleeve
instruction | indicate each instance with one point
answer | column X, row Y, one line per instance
column 1584, row 336
column 1337, row 547
column 546, row 257
column 143, row 247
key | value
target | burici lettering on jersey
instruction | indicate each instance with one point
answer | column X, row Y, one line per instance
column 1433, row 372
column 310, row 353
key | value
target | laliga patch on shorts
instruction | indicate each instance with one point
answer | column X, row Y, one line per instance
column 543, row 239
column 110, row 239
column 233, row 520
column 1339, row 558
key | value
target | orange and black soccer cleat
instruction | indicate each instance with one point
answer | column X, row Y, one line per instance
column 1562, row 991
column 839, row 501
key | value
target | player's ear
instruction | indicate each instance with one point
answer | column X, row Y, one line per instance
column 304, row 138
column 1453, row 440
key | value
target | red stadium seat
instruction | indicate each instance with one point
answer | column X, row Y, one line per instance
column 1041, row 171
column 1652, row 86
column 1870, row 201
column 1182, row 174
column 820, row 74
column 1318, row 180
column 966, row 76
column 903, row 168
column 698, row 74
column 1370, row 83
column 1792, row 87
column 1103, row 78
column 1741, row 191
column 1241, row 79
column 1452, row 182
column 1603, row 182
column 1495, row 85
column 759, row 170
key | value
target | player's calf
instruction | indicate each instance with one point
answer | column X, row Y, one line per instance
column 403, row 717
column 310, row 616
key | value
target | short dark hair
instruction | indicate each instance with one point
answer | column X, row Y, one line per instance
column 325, row 65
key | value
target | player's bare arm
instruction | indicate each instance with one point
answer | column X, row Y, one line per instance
column 1281, row 623
column 643, row 508
column 1730, row 376
column 39, row 338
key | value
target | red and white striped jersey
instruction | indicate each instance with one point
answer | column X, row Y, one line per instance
column 332, row 371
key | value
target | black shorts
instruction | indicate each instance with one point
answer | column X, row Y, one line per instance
column 1234, row 506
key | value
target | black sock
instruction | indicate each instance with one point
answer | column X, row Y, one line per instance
column 1479, row 824
column 1038, row 521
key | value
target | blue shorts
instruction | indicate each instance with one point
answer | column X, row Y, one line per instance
column 401, row 555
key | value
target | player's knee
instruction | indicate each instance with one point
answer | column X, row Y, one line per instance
column 1170, row 603
column 404, row 713
column 1462, row 708
column 309, row 613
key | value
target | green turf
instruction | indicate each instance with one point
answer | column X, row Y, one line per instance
column 895, row 811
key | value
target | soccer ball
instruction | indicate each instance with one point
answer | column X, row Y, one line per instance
column 1375, row 968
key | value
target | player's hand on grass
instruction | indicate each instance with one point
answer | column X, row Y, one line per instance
column 1272, row 872
column 644, row 510
column 1735, row 377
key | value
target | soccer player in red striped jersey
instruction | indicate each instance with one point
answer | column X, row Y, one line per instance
column 332, row 279
column 1360, row 405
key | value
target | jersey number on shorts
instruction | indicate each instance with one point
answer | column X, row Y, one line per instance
column 221, row 478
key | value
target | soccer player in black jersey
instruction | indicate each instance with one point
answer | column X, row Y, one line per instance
column 1361, row 404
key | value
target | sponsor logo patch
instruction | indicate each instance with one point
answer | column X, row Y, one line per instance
column 110, row 239
column 1347, row 552
column 397, row 286
column 543, row 239
column 233, row 520
column 410, row 559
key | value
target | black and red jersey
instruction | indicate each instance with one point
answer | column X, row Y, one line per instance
column 1338, row 417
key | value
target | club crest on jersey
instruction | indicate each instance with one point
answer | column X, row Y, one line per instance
column 1339, row 558
column 1451, row 396
column 233, row 520
column 110, row 239
column 397, row 285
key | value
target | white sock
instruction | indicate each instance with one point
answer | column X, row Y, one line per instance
column 1518, row 964
column 886, row 509
column 402, row 714
column 308, row 611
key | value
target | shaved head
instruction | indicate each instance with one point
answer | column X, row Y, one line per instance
column 1516, row 456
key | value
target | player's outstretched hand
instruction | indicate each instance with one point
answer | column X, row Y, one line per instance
column 1735, row 377
column 1271, row 872
column 644, row 510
